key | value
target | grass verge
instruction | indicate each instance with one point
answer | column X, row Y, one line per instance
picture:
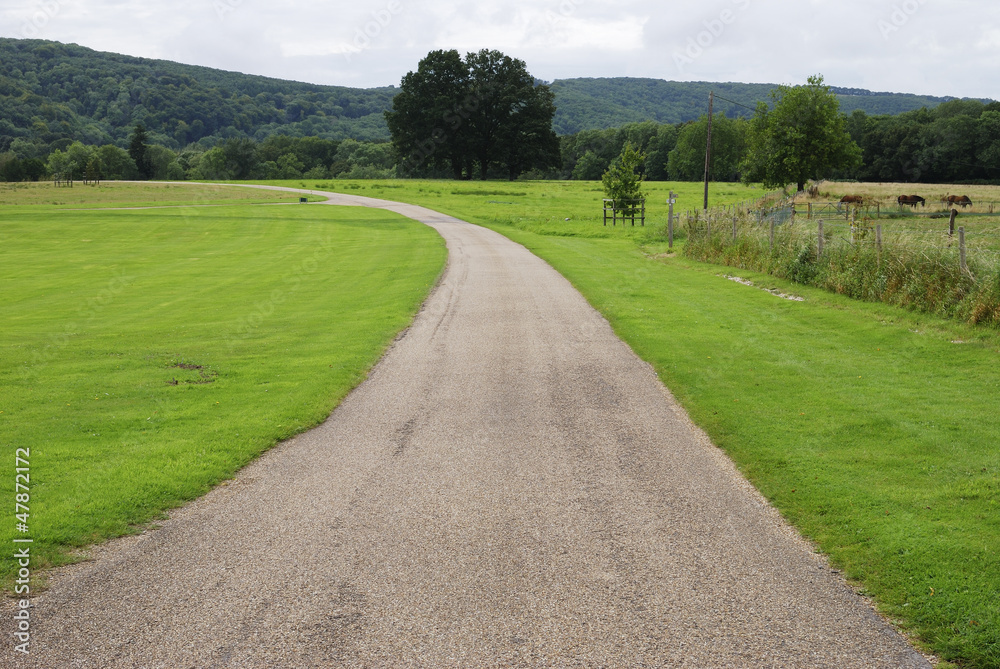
column 146, row 356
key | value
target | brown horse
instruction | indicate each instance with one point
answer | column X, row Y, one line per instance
column 849, row 200
column 961, row 200
column 912, row 200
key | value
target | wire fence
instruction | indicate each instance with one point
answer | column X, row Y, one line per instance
column 933, row 266
column 889, row 209
column 943, row 234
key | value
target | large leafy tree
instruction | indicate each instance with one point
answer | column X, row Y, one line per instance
column 802, row 136
column 512, row 125
column 138, row 147
column 428, row 117
column 484, row 112
column 241, row 157
column 687, row 160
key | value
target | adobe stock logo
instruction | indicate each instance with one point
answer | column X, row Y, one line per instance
column 45, row 12
column 706, row 39
column 363, row 37
column 567, row 8
column 900, row 16
column 225, row 7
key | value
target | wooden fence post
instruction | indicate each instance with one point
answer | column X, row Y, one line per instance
column 809, row 210
column 819, row 246
column 961, row 249
column 670, row 221
column 878, row 244
column 951, row 223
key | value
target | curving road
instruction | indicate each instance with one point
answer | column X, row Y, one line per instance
column 511, row 487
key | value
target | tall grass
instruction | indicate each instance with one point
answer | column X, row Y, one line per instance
column 910, row 270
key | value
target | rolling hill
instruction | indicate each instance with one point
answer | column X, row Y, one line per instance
column 53, row 93
column 585, row 104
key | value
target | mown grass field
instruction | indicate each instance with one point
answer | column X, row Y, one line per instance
column 873, row 429
column 131, row 194
column 542, row 206
column 146, row 356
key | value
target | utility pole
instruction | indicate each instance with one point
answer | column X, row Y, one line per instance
column 708, row 145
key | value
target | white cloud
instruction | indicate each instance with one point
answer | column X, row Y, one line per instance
column 538, row 27
column 933, row 48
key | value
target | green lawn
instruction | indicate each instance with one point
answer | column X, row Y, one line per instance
column 539, row 206
column 872, row 429
column 147, row 355
column 127, row 194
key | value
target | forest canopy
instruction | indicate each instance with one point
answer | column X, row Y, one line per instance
column 207, row 123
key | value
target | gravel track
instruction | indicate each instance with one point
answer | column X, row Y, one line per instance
column 510, row 487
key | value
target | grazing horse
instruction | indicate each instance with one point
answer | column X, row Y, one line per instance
column 856, row 200
column 912, row 200
column 961, row 200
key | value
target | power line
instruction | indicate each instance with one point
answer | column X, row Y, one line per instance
column 733, row 102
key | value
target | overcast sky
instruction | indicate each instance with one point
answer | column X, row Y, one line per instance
column 933, row 47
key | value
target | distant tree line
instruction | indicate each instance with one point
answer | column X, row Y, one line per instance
column 957, row 141
column 598, row 103
column 277, row 157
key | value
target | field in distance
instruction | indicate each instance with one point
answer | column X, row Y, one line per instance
column 935, row 194
column 129, row 194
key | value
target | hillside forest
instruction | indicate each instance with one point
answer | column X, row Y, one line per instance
column 67, row 109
